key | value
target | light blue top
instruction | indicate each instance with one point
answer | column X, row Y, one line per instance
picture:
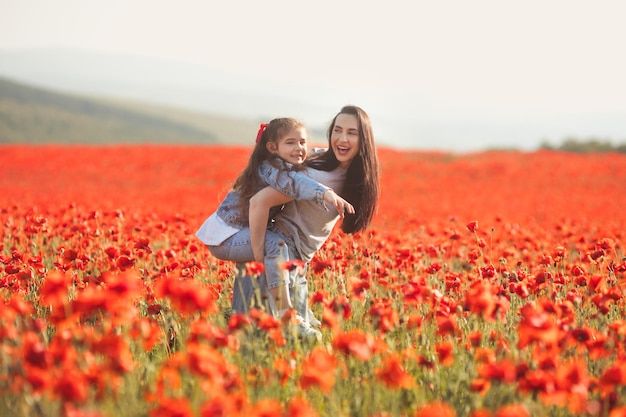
column 229, row 219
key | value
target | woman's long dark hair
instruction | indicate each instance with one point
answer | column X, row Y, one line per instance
column 362, row 186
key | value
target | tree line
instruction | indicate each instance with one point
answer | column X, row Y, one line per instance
column 589, row 145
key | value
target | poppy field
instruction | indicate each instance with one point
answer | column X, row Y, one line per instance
column 490, row 284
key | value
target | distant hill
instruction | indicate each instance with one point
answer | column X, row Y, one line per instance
column 36, row 115
column 231, row 98
column 220, row 106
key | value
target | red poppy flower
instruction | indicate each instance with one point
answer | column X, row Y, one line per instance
column 293, row 265
column 111, row 252
column 436, row 409
column 299, row 407
column 618, row 412
column 613, row 376
column 482, row 299
column 39, row 379
column 433, row 268
column 143, row 244
column 148, row 330
column 386, row 316
column 445, row 353
column 264, row 320
column 72, row 386
column 513, row 410
column 355, row 342
column 154, row 309
column 446, row 326
column 318, row 370
column 320, row 266
column 480, row 386
column 68, row 256
column 238, row 321
column 187, row 296
column 54, row 291
column 341, row 306
column 475, row 338
column 255, row 268
column 223, row 406
column 393, row 374
column 209, row 362
column 536, row 326
column 172, row 407
column 124, row 262
column 35, row 352
column 124, row 286
column 115, row 348
column 283, row 368
column 267, row 407
column 69, row 410
column 504, row 370
column 91, row 300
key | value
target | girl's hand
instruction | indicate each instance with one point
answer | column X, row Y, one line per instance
column 339, row 203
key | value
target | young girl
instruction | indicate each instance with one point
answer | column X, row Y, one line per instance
column 276, row 161
column 350, row 166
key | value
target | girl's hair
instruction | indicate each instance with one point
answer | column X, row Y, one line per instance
column 361, row 187
column 249, row 182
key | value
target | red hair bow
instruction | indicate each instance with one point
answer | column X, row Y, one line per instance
column 260, row 133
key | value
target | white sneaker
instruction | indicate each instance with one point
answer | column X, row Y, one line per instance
column 301, row 326
column 313, row 321
column 309, row 333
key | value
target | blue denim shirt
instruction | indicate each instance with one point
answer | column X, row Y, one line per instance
column 295, row 184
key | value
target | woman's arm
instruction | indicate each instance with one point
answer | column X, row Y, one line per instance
column 259, row 214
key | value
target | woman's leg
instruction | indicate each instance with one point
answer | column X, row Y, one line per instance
column 276, row 276
column 300, row 293
column 299, row 290
column 274, row 290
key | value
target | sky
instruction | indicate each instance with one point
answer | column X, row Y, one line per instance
column 480, row 61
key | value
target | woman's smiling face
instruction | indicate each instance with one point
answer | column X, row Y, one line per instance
column 344, row 139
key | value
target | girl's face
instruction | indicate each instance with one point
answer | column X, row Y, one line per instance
column 292, row 147
column 344, row 139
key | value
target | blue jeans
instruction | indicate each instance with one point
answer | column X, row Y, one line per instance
column 251, row 292
column 238, row 248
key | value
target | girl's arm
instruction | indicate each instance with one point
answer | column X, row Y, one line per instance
column 295, row 184
column 259, row 213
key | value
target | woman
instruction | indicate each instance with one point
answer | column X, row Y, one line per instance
column 350, row 167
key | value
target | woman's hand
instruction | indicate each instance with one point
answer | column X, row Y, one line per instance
column 339, row 203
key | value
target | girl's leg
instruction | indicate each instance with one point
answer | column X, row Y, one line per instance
column 250, row 292
column 243, row 290
column 238, row 248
